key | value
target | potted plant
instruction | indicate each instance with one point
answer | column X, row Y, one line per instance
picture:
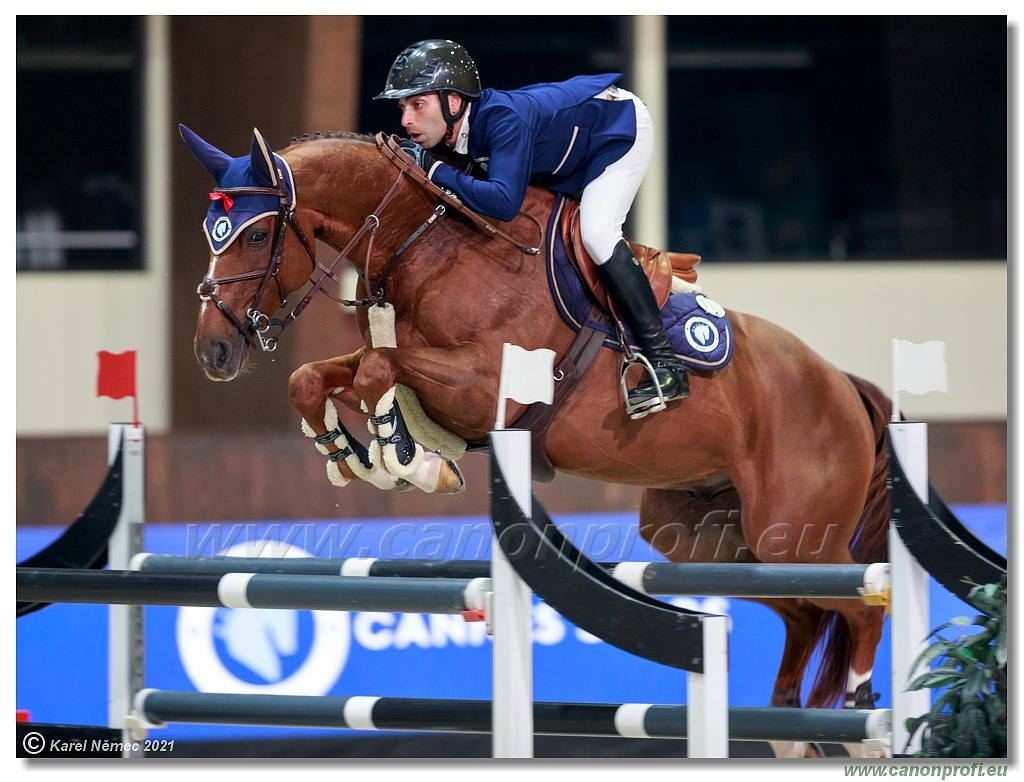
column 968, row 675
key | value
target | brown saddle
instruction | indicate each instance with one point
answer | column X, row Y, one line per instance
column 660, row 266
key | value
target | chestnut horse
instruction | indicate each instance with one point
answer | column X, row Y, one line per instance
column 776, row 457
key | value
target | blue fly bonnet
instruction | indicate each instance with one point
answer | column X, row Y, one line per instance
column 229, row 214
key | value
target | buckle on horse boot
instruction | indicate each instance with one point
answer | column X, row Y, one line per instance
column 634, row 409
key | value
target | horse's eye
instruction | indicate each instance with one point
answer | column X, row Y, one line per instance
column 257, row 236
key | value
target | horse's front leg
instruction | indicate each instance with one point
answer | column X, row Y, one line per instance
column 310, row 389
column 455, row 382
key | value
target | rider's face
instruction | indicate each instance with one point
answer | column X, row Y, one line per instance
column 422, row 119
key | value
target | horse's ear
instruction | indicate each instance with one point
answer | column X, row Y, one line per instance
column 261, row 159
column 211, row 158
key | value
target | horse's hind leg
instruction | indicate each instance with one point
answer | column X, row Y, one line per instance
column 802, row 621
column 704, row 526
column 861, row 632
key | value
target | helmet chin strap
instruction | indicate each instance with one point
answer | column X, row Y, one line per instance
column 449, row 118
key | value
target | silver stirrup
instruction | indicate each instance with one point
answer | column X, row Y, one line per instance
column 638, row 410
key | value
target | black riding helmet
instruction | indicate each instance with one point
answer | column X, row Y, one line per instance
column 434, row 65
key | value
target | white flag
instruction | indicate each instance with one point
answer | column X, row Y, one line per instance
column 527, row 376
column 920, row 369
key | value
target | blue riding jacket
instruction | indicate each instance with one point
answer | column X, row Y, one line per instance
column 556, row 134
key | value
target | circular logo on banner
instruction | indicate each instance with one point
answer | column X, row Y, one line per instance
column 701, row 334
column 221, row 229
column 263, row 651
column 709, row 306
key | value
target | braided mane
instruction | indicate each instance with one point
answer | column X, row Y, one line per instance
column 332, row 134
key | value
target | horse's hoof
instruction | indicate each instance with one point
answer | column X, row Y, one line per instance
column 451, row 480
column 787, row 749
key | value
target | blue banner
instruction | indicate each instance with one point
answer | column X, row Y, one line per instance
column 62, row 650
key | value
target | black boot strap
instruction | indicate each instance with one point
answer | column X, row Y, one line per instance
column 338, row 456
column 387, row 418
column 330, row 437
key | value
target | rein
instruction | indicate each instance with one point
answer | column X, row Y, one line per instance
column 388, row 146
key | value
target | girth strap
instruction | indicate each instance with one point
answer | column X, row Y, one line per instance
column 569, row 371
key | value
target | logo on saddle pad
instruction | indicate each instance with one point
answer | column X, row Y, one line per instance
column 709, row 306
column 701, row 334
column 699, row 330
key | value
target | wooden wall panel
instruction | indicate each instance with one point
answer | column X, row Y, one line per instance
column 278, row 475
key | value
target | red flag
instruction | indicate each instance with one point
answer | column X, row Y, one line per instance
column 117, row 374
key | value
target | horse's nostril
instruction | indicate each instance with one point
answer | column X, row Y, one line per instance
column 221, row 354
column 214, row 355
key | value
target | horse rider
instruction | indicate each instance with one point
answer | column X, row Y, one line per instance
column 581, row 135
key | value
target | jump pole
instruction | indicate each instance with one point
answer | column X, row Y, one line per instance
column 126, row 633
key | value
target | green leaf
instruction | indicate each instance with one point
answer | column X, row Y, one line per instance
column 932, row 681
column 974, row 684
column 947, row 698
column 1000, row 644
column 967, row 653
column 930, row 653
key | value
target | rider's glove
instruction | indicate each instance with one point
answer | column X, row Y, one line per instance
column 420, row 156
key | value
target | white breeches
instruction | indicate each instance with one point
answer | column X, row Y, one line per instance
column 606, row 201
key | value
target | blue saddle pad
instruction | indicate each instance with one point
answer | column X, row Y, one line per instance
column 698, row 327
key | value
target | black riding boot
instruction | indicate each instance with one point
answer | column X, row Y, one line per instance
column 631, row 291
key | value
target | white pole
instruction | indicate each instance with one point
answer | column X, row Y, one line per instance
column 511, row 614
column 707, row 701
column 909, row 605
column 126, row 635
column 499, row 415
column 650, row 77
column 895, row 379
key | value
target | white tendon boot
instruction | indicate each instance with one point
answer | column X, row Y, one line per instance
column 349, row 452
column 394, row 450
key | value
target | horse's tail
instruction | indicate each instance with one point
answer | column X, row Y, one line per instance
column 870, row 543
column 871, row 540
